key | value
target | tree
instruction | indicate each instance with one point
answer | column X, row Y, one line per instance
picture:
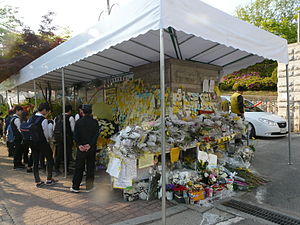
column 9, row 24
column 276, row 16
column 27, row 45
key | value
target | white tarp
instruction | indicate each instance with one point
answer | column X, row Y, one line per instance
column 204, row 34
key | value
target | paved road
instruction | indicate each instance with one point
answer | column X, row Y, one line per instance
column 271, row 160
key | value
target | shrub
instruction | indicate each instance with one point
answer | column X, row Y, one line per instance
column 252, row 81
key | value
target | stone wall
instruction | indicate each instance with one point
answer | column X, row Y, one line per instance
column 294, row 87
column 186, row 75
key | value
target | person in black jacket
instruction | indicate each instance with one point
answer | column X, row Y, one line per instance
column 86, row 135
column 10, row 145
column 58, row 136
column 41, row 145
column 15, row 124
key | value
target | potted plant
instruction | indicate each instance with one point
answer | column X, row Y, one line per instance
column 170, row 192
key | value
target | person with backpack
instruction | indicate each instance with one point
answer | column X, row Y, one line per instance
column 37, row 132
column 59, row 138
column 86, row 135
column 15, row 136
column 9, row 144
column 26, row 145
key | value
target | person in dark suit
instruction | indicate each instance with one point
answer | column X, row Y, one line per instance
column 86, row 134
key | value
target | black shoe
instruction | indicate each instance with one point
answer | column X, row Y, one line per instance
column 51, row 182
column 40, row 184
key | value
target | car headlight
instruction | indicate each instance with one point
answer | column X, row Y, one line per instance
column 269, row 122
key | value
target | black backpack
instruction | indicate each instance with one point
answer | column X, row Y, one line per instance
column 31, row 130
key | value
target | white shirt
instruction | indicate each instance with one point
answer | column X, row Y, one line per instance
column 77, row 117
column 17, row 122
column 44, row 126
column 51, row 130
column 72, row 123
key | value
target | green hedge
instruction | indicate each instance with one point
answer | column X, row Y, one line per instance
column 252, row 81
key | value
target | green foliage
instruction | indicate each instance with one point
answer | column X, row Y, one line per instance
column 276, row 16
column 252, row 81
column 8, row 22
column 23, row 46
column 4, row 110
column 265, row 68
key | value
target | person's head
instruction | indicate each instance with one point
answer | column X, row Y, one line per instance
column 24, row 116
column 87, row 110
column 80, row 109
column 68, row 109
column 44, row 108
column 240, row 89
column 18, row 110
column 11, row 112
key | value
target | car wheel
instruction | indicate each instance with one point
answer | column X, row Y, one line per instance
column 252, row 131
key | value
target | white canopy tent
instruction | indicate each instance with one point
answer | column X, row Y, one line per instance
column 130, row 37
column 145, row 31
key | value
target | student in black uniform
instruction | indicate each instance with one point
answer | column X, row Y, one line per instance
column 86, row 135
column 58, row 136
column 15, row 124
column 42, row 145
column 10, row 145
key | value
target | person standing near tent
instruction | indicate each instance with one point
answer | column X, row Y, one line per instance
column 58, row 137
column 86, row 134
column 15, row 124
column 10, row 146
column 41, row 145
column 25, row 146
column 237, row 102
column 79, row 114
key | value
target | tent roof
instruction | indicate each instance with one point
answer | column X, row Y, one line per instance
column 130, row 37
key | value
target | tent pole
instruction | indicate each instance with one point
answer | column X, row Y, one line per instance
column 288, row 113
column 18, row 95
column 298, row 34
column 74, row 93
column 35, row 96
column 163, row 133
column 64, row 119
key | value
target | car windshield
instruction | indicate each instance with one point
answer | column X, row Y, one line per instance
column 249, row 107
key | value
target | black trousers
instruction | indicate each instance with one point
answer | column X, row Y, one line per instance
column 10, row 148
column 85, row 158
column 25, row 147
column 18, row 153
column 59, row 154
column 37, row 150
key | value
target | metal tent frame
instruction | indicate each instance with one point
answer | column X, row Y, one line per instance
column 126, row 40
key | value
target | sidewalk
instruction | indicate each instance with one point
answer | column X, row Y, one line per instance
column 22, row 203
